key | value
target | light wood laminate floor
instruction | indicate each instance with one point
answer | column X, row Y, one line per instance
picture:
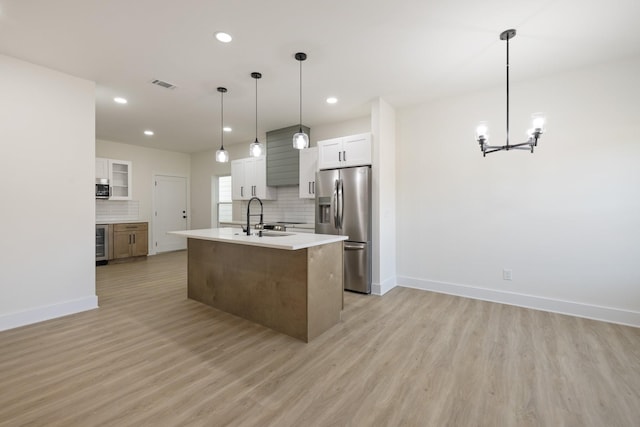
column 150, row 356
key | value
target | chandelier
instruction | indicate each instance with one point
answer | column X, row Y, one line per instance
column 482, row 135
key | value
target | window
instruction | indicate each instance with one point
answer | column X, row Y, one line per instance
column 224, row 199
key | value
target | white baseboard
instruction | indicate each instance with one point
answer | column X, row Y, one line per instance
column 384, row 287
column 40, row 314
column 595, row 312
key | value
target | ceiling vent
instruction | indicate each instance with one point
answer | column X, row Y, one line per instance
column 163, row 84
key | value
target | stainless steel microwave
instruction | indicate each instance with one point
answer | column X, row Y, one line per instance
column 102, row 188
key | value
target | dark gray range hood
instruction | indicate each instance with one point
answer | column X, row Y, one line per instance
column 283, row 161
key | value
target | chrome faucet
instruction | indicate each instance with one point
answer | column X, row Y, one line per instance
column 249, row 213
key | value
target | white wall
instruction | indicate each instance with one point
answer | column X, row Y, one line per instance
column 565, row 219
column 146, row 163
column 383, row 128
column 47, row 246
column 338, row 129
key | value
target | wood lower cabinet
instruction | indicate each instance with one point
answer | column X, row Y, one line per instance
column 130, row 240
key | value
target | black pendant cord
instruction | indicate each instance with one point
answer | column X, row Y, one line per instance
column 222, row 121
column 256, row 76
column 222, row 91
column 300, row 96
column 300, row 56
column 508, row 93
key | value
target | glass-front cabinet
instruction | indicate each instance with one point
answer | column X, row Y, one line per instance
column 119, row 174
column 120, row 179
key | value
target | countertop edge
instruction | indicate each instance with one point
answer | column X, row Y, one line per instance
column 294, row 242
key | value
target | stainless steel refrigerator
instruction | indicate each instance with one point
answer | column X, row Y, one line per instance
column 343, row 207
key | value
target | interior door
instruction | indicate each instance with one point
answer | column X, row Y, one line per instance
column 170, row 212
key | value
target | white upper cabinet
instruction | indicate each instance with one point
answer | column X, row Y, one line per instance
column 258, row 176
column 357, row 150
column 354, row 150
column 120, row 179
column 308, row 169
column 249, row 179
column 102, row 168
column 330, row 153
column 237, row 179
column 118, row 172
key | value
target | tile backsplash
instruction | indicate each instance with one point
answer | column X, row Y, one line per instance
column 117, row 210
column 288, row 207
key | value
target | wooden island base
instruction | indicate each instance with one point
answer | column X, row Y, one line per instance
column 295, row 292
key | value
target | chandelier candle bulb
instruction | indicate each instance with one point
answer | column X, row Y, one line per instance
column 538, row 122
column 482, row 131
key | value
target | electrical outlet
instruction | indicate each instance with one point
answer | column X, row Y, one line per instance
column 507, row 274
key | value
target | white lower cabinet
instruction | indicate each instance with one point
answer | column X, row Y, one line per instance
column 249, row 179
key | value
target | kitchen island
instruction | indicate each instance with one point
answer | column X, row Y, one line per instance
column 289, row 282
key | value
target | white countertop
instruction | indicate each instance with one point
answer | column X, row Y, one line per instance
column 292, row 242
column 288, row 224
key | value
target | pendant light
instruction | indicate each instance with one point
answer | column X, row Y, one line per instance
column 222, row 155
column 300, row 139
column 482, row 135
column 256, row 149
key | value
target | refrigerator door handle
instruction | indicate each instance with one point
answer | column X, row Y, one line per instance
column 341, row 198
column 335, row 204
column 355, row 247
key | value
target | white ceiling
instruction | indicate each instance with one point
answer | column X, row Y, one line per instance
column 406, row 51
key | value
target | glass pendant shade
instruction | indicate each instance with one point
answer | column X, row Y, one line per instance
column 256, row 149
column 222, row 155
column 300, row 140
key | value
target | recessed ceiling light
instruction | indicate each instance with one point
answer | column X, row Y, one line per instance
column 148, row 132
column 120, row 100
column 227, row 129
column 332, row 100
column 223, row 37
